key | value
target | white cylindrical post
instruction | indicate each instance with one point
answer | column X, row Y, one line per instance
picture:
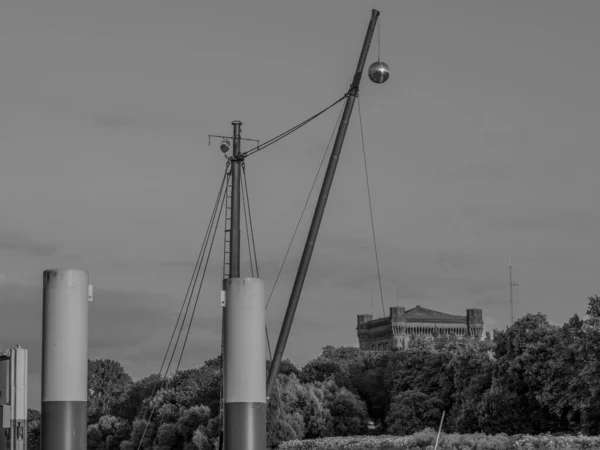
column 65, row 360
column 244, row 365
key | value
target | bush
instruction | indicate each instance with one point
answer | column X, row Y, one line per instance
column 425, row 440
column 547, row 442
column 201, row 441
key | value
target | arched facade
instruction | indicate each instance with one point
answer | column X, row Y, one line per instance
column 396, row 330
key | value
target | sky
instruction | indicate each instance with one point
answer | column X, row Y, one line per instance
column 481, row 148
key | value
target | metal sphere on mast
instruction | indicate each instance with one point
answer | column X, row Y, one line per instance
column 379, row 72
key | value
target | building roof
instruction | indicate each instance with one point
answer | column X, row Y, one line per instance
column 383, row 321
column 420, row 314
column 417, row 314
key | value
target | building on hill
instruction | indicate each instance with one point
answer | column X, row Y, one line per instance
column 395, row 331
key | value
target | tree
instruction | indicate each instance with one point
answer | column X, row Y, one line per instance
column 498, row 410
column 573, row 390
column 589, row 351
column 522, row 369
column 168, row 437
column 593, row 311
column 564, row 390
column 349, row 414
column 201, row 441
column 333, row 362
column 34, row 418
column 284, row 421
column 140, row 428
column 204, row 384
column 423, row 369
column 471, row 370
column 131, row 402
column 108, row 433
column 318, row 422
column 191, row 420
column 367, row 377
column 107, row 385
column 285, row 368
column 412, row 411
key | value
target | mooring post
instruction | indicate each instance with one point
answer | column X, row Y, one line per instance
column 245, row 426
column 65, row 359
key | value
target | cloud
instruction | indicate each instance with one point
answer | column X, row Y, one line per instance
column 178, row 263
column 495, row 170
column 116, row 318
column 15, row 242
column 349, row 264
column 456, row 260
column 539, row 218
column 112, row 119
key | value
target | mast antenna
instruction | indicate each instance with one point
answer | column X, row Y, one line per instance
column 510, row 280
column 378, row 73
column 242, row 302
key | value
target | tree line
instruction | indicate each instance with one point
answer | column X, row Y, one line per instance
column 533, row 377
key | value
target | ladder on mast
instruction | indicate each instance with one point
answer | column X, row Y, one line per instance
column 227, row 238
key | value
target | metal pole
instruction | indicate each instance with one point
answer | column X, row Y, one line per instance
column 320, row 208
column 234, row 262
column 65, row 359
column 440, row 430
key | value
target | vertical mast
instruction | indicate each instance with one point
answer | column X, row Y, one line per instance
column 232, row 252
column 320, row 208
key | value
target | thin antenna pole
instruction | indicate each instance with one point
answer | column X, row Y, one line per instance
column 512, row 319
column 320, row 208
